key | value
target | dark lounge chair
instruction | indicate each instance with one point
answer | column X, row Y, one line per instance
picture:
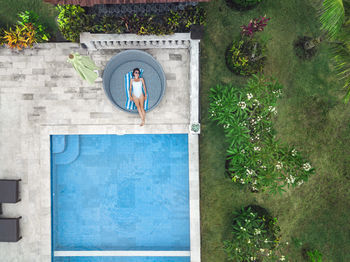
column 9, row 229
column 9, row 191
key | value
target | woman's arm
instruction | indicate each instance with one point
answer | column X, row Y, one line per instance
column 144, row 87
column 130, row 89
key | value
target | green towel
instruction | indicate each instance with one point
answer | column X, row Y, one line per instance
column 84, row 66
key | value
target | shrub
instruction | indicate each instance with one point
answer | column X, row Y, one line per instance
column 314, row 256
column 246, row 56
column 21, row 36
column 29, row 17
column 256, row 25
column 255, row 236
column 73, row 20
column 255, row 156
column 244, row 4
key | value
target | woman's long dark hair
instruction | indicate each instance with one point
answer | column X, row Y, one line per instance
column 135, row 69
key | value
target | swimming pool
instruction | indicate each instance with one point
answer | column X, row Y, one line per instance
column 120, row 193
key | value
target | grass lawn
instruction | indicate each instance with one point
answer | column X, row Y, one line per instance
column 10, row 8
column 312, row 117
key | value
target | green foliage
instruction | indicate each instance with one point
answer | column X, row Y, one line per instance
column 255, row 237
column 341, row 57
column 255, row 155
column 19, row 37
column 314, row 256
column 245, row 4
column 246, row 56
column 29, row 17
column 72, row 21
column 332, row 17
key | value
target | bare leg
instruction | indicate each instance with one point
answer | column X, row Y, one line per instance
column 137, row 103
column 142, row 99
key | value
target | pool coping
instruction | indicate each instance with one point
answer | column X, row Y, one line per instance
column 193, row 153
column 44, row 167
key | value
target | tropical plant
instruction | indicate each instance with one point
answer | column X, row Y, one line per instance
column 255, row 156
column 29, row 17
column 21, row 36
column 256, row 25
column 255, row 236
column 335, row 21
column 194, row 16
column 73, row 20
column 246, row 56
column 314, row 256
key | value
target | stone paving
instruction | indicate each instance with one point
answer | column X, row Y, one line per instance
column 41, row 92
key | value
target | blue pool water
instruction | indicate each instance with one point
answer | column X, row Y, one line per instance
column 122, row 259
column 113, row 192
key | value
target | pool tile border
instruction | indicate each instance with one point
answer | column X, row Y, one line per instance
column 45, row 170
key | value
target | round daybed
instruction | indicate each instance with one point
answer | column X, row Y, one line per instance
column 126, row 61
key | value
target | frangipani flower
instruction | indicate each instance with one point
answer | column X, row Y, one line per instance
column 307, row 166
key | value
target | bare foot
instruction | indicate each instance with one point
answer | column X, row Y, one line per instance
column 142, row 123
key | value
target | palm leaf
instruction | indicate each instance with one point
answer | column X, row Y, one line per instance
column 332, row 17
column 342, row 64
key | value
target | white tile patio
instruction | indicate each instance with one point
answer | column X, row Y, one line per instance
column 40, row 94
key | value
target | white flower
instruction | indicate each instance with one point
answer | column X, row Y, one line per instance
column 242, row 181
column 257, row 231
column 242, row 105
column 243, row 151
column 282, row 258
column 256, row 102
column 275, row 112
column 257, row 148
column 263, row 167
column 294, row 152
column 272, row 108
column 262, row 250
column 307, row 166
column 266, row 241
column 249, row 96
column 300, row 182
column 290, row 179
column 268, row 129
column 279, row 165
column 248, row 241
column 249, row 172
column 252, row 121
column 258, row 118
column 254, row 188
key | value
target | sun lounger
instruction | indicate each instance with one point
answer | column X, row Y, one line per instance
column 120, row 65
column 9, row 229
column 9, row 191
column 130, row 105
